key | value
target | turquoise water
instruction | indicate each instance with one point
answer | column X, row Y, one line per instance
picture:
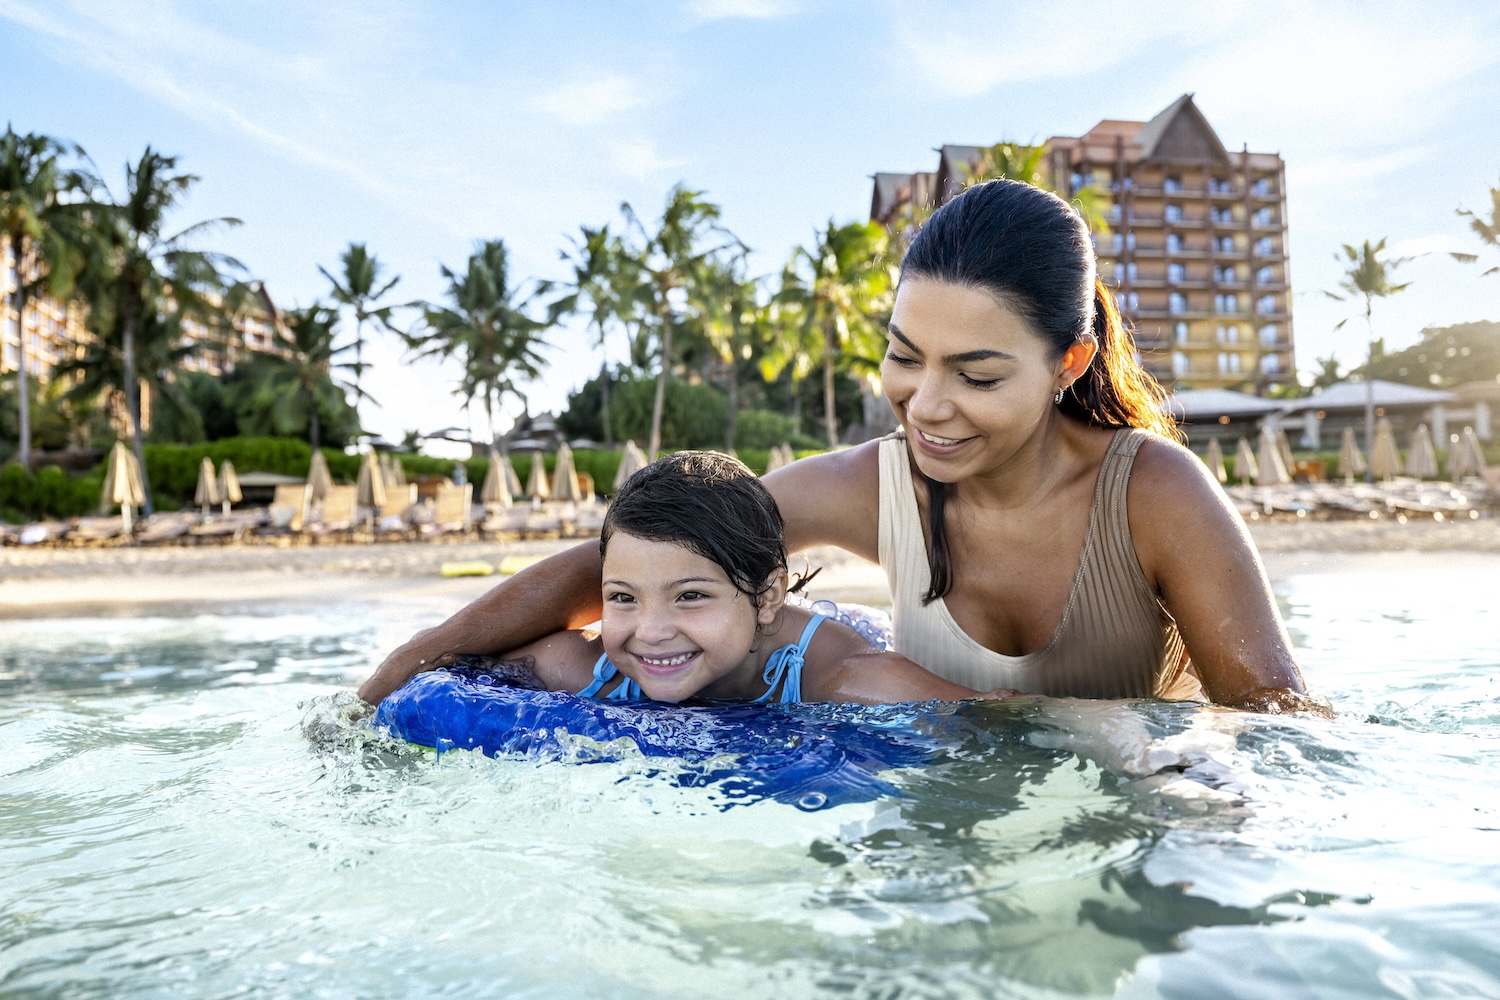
column 185, row 810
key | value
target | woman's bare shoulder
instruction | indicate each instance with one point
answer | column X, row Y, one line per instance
column 1173, row 502
column 831, row 499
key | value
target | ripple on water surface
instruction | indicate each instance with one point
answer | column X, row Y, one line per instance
column 185, row 808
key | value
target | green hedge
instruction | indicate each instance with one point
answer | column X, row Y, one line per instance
column 173, row 468
column 48, row 493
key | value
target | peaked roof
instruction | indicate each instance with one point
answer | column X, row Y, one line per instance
column 1180, row 132
column 1351, row 396
column 1211, row 404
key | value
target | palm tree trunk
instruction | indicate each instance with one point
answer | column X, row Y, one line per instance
column 734, row 405
column 133, row 395
column 313, row 427
column 23, row 387
column 1370, row 400
column 609, row 433
column 830, row 419
column 661, row 384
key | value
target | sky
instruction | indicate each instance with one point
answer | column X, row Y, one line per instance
column 421, row 128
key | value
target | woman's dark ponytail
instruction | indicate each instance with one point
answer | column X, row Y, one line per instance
column 1114, row 390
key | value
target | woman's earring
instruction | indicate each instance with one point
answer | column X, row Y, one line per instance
column 1058, row 398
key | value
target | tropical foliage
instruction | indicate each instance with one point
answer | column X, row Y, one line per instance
column 1488, row 231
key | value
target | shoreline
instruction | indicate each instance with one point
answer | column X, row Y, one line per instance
column 64, row 582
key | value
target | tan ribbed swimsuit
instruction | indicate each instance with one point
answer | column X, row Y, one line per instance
column 1115, row 640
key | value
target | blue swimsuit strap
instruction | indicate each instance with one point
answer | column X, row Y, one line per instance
column 787, row 662
column 604, row 672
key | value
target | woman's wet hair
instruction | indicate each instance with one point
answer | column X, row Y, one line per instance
column 1032, row 252
column 711, row 504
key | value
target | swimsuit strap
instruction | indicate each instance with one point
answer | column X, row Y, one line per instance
column 787, row 662
column 604, row 672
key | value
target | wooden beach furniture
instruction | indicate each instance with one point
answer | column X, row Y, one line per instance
column 335, row 515
column 97, row 531
column 159, row 529
column 451, row 509
column 289, row 508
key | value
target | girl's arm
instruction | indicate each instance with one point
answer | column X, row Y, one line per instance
column 1196, row 552
column 559, row 593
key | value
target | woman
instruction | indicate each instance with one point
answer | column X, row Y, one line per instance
column 1040, row 527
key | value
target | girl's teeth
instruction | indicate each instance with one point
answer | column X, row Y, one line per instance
column 670, row 661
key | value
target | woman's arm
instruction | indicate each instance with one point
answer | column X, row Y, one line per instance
column 559, row 593
column 1196, row 552
column 832, row 499
column 841, row 666
column 562, row 661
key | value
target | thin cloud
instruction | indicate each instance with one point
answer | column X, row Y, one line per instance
column 640, row 160
column 592, row 102
column 752, row 10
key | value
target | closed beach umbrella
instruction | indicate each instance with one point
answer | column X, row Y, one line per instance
column 369, row 488
column 1215, row 461
column 1244, row 462
column 206, row 494
column 565, row 477
column 632, row 460
column 781, row 456
column 318, row 478
column 496, row 490
column 1459, row 463
column 1385, row 457
column 1271, row 469
column 536, row 483
column 229, row 485
column 1476, row 453
column 512, row 481
column 1351, row 459
column 1284, row 448
column 1421, row 460
column 123, row 484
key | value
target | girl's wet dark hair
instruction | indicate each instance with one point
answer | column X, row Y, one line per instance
column 1032, row 252
column 711, row 504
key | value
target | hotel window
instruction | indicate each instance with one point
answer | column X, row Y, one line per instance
column 1224, row 244
column 1130, row 300
column 1224, row 273
column 1114, row 212
column 1129, row 269
column 1229, row 303
column 1232, row 334
column 1130, row 241
column 1117, row 241
column 1172, row 185
column 1181, row 330
column 1264, row 217
column 1229, row 364
column 1174, row 243
column 1173, row 213
column 1218, row 185
column 1263, row 186
column 1176, row 273
column 1177, row 303
column 1265, row 275
column 1270, row 364
column 1264, row 247
column 1268, row 335
column 1223, row 216
column 1180, row 363
column 1265, row 305
column 1077, row 181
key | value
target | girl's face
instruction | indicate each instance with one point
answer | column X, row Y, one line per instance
column 967, row 377
column 673, row 621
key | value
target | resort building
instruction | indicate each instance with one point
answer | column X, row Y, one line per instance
column 52, row 332
column 1196, row 247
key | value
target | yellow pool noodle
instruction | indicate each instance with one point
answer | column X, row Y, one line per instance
column 474, row 567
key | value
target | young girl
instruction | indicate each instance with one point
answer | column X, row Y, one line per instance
column 694, row 591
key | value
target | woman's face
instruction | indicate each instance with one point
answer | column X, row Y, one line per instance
column 673, row 622
column 967, row 377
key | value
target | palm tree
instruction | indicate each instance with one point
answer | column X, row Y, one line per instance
column 1367, row 277
column 487, row 328
column 597, row 260
column 1488, row 231
column 357, row 289
column 729, row 316
column 293, row 386
column 1020, row 162
column 667, row 260
column 788, row 342
column 40, row 228
column 846, row 298
column 137, row 269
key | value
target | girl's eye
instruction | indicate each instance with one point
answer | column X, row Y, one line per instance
column 692, row 595
column 619, row 598
column 979, row 383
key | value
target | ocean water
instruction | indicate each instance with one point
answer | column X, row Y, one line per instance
column 187, row 808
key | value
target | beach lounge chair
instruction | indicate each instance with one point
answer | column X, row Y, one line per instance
column 335, row 515
column 451, row 510
column 95, row 531
column 394, row 517
column 288, row 511
column 504, row 522
column 164, row 528
column 229, row 527
column 43, row 533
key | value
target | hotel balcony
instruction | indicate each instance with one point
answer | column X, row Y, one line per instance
column 1270, row 255
column 1185, row 222
column 1188, row 254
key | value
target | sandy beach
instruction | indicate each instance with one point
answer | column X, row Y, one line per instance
column 63, row 581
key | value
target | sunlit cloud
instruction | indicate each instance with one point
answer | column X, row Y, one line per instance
column 641, row 160
column 754, row 10
column 590, row 102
